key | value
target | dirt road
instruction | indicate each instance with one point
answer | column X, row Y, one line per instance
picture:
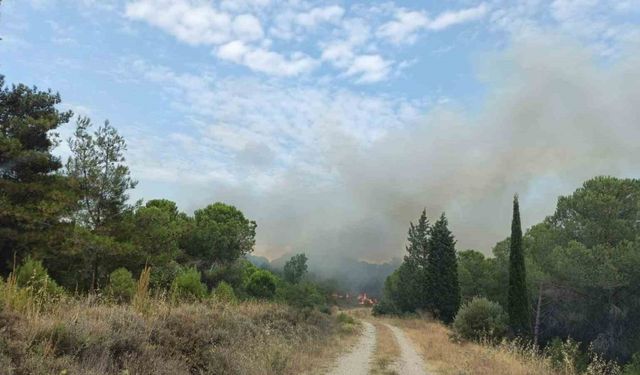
column 357, row 361
column 410, row 362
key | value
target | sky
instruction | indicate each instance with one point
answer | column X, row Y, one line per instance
column 334, row 123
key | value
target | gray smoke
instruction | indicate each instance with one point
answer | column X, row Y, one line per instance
column 554, row 116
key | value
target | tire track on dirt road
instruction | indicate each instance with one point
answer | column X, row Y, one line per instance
column 357, row 361
column 410, row 362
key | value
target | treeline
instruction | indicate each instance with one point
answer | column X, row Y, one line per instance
column 74, row 221
column 427, row 279
column 574, row 276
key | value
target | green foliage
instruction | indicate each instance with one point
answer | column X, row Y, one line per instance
column 220, row 234
column 480, row 319
column 97, row 163
column 385, row 307
column 518, row 297
column 224, row 293
column 405, row 290
column 295, row 268
column 566, row 356
column 33, row 276
column 633, row 367
column 442, row 271
column 162, row 276
column 301, row 295
column 97, row 166
column 415, row 275
column 344, row 318
column 235, row 274
column 262, row 284
column 157, row 230
column 122, row 286
column 604, row 211
column 187, row 286
column 481, row 277
column 90, row 257
column 33, row 197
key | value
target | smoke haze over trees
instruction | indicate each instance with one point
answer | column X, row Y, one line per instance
column 519, row 139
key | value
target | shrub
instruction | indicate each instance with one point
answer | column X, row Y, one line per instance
column 187, row 286
column 633, row 367
column 121, row 285
column 236, row 274
column 344, row 318
column 479, row 319
column 262, row 284
column 224, row 293
column 300, row 295
column 64, row 339
column 163, row 275
column 32, row 275
column 346, row 324
column 385, row 307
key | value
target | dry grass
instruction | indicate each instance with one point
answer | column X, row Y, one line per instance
column 446, row 357
column 88, row 337
column 387, row 350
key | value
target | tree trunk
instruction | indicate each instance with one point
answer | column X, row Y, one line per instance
column 536, row 327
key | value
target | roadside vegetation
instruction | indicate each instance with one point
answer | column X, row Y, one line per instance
column 91, row 283
column 568, row 284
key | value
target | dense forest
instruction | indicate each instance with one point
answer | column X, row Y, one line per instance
column 579, row 272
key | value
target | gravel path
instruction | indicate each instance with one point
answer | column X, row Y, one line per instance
column 410, row 362
column 357, row 361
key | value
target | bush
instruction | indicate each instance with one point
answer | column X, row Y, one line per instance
column 344, row 318
column 480, row 318
column 633, row 367
column 385, row 307
column 224, row 293
column 300, row 295
column 187, row 286
column 32, row 275
column 235, row 274
column 162, row 276
column 262, row 284
column 121, row 285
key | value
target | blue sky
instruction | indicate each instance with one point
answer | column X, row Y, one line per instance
column 333, row 123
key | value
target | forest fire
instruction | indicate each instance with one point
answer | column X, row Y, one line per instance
column 361, row 299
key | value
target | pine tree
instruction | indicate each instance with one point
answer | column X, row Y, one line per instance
column 518, row 298
column 416, row 261
column 444, row 290
column 97, row 162
column 33, row 197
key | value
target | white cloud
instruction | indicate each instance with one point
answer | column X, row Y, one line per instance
column 451, row 18
column 295, row 24
column 405, row 26
column 369, row 68
column 319, row 15
column 233, row 51
column 348, row 53
column 247, row 27
column 187, row 21
column 266, row 61
column 270, row 62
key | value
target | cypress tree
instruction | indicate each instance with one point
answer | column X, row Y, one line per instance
column 518, row 298
column 416, row 261
column 444, row 290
